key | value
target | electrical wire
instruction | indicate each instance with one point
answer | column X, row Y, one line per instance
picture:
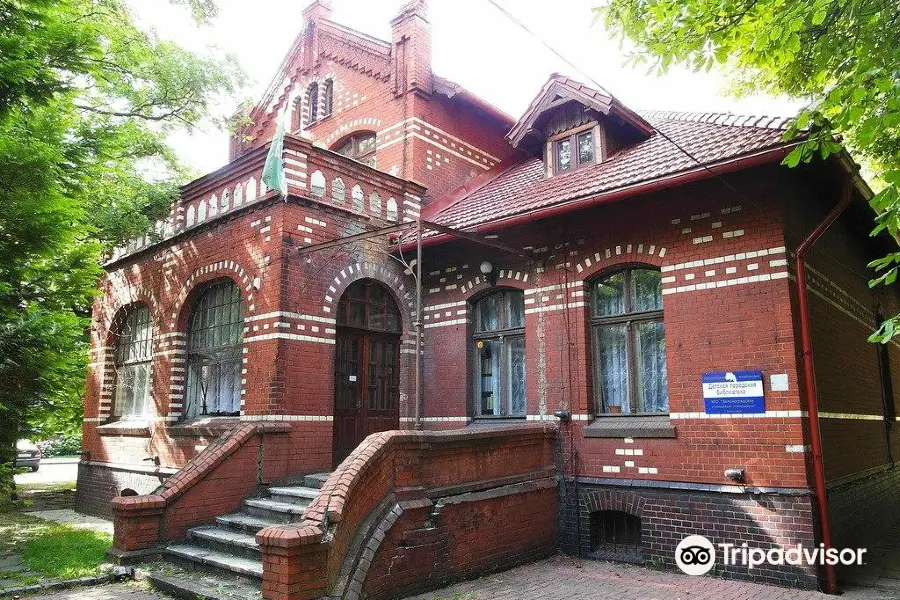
column 668, row 138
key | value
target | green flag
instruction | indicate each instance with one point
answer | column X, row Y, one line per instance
column 273, row 172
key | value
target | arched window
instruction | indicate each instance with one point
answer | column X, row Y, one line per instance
column 190, row 215
column 375, row 203
column 338, row 191
column 367, row 305
column 133, row 364
column 328, row 103
column 317, row 184
column 297, row 114
column 238, row 195
column 629, row 343
column 391, row 209
column 215, row 337
column 360, row 147
column 312, row 99
column 251, row 189
column 358, row 198
column 499, row 342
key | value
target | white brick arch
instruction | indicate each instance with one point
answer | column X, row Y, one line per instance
column 641, row 252
column 224, row 268
column 351, row 127
column 399, row 285
column 505, row 278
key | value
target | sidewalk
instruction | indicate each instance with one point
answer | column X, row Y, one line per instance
column 564, row 578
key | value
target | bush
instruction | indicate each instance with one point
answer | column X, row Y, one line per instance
column 61, row 446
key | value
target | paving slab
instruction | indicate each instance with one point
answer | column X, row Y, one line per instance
column 69, row 517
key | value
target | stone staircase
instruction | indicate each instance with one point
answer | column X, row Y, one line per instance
column 222, row 560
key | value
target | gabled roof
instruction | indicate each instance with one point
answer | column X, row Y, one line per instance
column 521, row 188
column 559, row 90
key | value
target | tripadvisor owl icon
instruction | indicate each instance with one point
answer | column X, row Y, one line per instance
column 695, row 555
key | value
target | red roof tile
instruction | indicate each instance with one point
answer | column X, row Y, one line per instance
column 522, row 188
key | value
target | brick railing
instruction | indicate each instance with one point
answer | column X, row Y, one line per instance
column 320, row 175
column 424, row 488
column 216, row 481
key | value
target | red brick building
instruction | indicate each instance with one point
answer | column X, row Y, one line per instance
column 653, row 252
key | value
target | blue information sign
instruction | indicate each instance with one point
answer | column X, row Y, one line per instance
column 734, row 392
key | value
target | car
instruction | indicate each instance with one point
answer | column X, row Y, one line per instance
column 28, row 455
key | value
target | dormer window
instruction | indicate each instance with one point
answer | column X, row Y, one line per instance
column 573, row 150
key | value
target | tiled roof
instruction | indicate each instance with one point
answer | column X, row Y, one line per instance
column 522, row 187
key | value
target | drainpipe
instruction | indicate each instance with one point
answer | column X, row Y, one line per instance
column 811, row 395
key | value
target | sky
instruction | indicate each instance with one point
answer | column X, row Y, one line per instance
column 473, row 44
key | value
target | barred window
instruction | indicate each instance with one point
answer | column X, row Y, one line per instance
column 499, row 342
column 133, row 365
column 629, row 343
column 215, row 338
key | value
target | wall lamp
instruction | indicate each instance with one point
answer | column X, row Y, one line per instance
column 487, row 269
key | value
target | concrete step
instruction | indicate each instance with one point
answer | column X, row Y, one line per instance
column 282, row 512
column 316, row 480
column 242, row 522
column 213, row 559
column 292, row 494
column 178, row 581
column 224, row 540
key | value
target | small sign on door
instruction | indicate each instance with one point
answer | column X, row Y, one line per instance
column 351, row 378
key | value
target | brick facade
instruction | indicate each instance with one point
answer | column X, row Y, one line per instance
column 729, row 303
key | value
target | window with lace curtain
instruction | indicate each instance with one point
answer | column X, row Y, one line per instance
column 133, row 365
column 215, row 343
column 629, row 343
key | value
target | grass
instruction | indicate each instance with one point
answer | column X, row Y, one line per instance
column 55, row 550
column 56, row 486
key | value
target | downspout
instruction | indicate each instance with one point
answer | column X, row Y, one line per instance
column 812, row 402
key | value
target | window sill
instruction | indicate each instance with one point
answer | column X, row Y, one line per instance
column 482, row 422
column 202, row 427
column 129, row 428
column 631, row 427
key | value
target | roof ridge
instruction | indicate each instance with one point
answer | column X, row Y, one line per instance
column 718, row 118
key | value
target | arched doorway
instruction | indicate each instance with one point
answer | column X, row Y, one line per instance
column 367, row 366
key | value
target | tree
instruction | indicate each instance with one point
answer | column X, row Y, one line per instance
column 841, row 56
column 86, row 102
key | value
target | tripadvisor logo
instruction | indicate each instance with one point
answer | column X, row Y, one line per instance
column 696, row 555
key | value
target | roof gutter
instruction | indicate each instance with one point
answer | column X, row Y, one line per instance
column 647, row 187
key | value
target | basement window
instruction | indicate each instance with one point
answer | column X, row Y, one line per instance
column 615, row 535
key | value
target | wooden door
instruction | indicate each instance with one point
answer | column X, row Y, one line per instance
column 367, row 369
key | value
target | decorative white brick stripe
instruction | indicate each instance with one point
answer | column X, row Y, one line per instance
column 447, row 323
column 796, row 448
column 629, row 452
column 552, row 307
column 850, row 416
column 291, row 315
column 723, row 259
column 321, row 418
column 551, row 288
column 769, row 414
column 436, row 419
column 444, row 306
column 575, row 417
column 709, row 285
column 288, row 336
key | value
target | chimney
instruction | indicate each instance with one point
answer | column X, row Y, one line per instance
column 313, row 14
column 411, row 49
